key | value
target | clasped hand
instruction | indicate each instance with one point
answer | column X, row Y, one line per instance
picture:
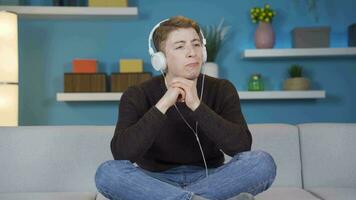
column 187, row 91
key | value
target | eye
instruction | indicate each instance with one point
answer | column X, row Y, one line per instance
column 197, row 44
column 179, row 47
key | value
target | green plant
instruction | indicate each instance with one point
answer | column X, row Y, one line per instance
column 262, row 14
column 215, row 36
column 312, row 6
column 295, row 71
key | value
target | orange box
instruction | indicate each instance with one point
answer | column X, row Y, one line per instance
column 84, row 66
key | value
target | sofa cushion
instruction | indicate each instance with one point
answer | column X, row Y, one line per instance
column 101, row 197
column 334, row 193
column 328, row 151
column 285, row 193
column 52, row 158
column 48, row 196
column 282, row 142
column 275, row 193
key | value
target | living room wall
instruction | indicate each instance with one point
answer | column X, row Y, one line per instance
column 47, row 47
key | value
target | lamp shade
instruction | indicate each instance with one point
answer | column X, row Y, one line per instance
column 9, row 59
column 9, row 105
column 9, row 69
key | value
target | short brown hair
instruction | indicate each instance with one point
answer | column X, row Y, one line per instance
column 162, row 32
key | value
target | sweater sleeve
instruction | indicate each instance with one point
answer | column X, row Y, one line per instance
column 135, row 132
column 228, row 129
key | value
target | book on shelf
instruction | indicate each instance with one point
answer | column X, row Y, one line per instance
column 121, row 81
column 84, row 82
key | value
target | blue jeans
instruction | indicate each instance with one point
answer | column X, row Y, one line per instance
column 249, row 171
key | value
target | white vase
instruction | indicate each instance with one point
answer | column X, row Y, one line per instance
column 211, row 69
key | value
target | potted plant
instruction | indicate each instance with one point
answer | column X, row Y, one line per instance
column 296, row 81
column 264, row 34
column 215, row 36
column 311, row 36
column 311, row 6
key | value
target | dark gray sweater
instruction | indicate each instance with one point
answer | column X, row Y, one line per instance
column 157, row 141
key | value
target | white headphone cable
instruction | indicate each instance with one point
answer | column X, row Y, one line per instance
column 196, row 124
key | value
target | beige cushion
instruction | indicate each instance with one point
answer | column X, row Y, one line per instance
column 284, row 193
column 334, row 193
column 328, row 155
column 282, row 142
column 100, row 197
column 276, row 193
column 52, row 158
column 48, row 196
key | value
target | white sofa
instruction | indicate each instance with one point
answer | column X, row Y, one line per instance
column 314, row 161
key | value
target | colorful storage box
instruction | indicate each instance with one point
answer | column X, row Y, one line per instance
column 84, row 66
column 131, row 65
column 107, row 3
column 121, row 81
column 76, row 82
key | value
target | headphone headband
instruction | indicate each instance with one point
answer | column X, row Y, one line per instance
column 158, row 59
column 150, row 49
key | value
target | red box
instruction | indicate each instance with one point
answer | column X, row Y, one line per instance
column 84, row 66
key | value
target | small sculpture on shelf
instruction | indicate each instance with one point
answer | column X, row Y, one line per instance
column 255, row 83
column 296, row 81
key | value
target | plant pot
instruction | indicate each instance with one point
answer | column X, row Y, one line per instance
column 211, row 69
column 298, row 83
column 264, row 36
column 311, row 37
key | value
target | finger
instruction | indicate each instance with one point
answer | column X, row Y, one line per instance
column 181, row 85
column 181, row 95
column 181, row 92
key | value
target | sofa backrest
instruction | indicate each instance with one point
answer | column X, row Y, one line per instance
column 282, row 142
column 328, row 154
column 52, row 158
column 65, row 158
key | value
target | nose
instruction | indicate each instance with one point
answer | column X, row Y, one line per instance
column 191, row 52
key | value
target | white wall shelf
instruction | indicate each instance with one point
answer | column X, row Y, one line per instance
column 244, row 95
column 308, row 94
column 92, row 96
column 57, row 12
column 298, row 52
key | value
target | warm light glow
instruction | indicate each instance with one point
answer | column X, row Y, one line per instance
column 9, row 105
column 9, row 69
column 9, row 63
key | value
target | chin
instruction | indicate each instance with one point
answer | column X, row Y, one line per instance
column 192, row 76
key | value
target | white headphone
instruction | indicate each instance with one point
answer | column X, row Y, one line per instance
column 158, row 59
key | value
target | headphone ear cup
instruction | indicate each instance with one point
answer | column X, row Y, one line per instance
column 158, row 61
column 205, row 54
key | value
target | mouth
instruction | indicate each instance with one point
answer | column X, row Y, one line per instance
column 194, row 64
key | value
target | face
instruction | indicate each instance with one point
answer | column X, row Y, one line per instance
column 183, row 51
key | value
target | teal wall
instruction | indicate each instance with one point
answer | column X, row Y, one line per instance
column 48, row 46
